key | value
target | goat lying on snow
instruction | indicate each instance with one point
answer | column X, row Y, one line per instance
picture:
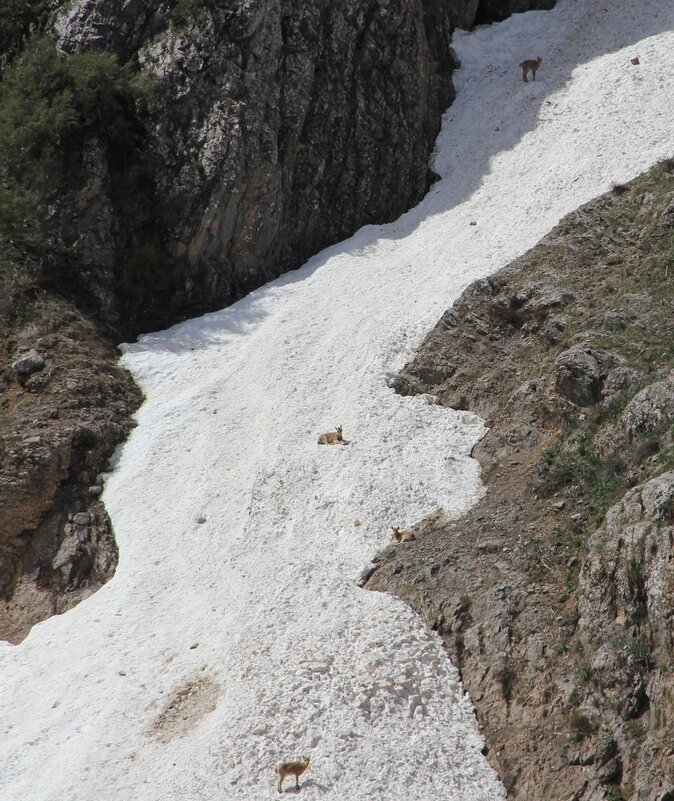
column 332, row 438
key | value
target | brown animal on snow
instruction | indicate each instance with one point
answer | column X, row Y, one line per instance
column 635, row 60
column 531, row 65
column 331, row 437
column 402, row 536
column 295, row 769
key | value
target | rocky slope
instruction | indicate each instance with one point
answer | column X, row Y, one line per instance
column 159, row 159
column 64, row 405
column 554, row 593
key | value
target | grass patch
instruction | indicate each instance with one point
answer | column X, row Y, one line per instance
column 184, row 11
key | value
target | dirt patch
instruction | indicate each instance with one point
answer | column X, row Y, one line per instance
column 188, row 704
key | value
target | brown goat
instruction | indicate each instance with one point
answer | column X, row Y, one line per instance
column 295, row 769
column 531, row 65
column 402, row 536
column 332, row 438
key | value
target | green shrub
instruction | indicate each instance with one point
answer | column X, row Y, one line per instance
column 640, row 651
column 51, row 105
column 637, row 730
column 571, row 616
column 185, row 10
column 582, row 725
column 48, row 104
column 17, row 17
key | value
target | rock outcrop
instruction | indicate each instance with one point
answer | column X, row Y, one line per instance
column 65, row 404
column 554, row 593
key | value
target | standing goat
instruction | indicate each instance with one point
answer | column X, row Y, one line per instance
column 295, row 769
column 531, row 65
column 332, row 438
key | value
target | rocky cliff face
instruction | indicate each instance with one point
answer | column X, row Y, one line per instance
column 273, row 129
column 554, row 593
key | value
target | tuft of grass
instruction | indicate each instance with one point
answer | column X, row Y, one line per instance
column 637, row 731
column 614, row 794
column 571, row 616
column 639, row 650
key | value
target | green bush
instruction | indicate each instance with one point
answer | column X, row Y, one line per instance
column 582, row 725
column 17, row 17
column 51, row 105
column 613, row 794
column 185, row 10
column 637, row 730
column 640, row 651
column 48, row 105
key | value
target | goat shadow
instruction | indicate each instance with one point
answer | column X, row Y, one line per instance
column 309, row 783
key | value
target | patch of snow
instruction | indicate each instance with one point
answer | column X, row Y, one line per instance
column 233, row 634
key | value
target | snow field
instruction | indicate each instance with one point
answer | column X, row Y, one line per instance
column 223, row 646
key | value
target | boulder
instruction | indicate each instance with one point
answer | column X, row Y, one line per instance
column 657, row 497
column 28, row 363
column 620, row 380
column 649, row 409
column 578, row 376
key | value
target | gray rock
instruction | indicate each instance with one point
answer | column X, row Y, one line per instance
column 578, row 376
column 606, row 750
column 275, row 129
column 553, row 329
column 28, row 363
column 650, row 408
column 610, row 772
column 619, row 380
column 658, row 497
column 636, row 301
